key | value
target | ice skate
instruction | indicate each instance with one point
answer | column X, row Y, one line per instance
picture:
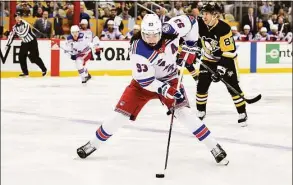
column 85, row 150
column 86, row 79
column 201, row 115
column 242, row 120
column 220, row 155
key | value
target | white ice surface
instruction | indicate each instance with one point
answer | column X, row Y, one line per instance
column 44, row 121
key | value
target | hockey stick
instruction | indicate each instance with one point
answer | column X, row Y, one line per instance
column 172, row 119
column 249, row 101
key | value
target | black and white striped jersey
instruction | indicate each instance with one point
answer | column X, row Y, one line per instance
column 23, row 31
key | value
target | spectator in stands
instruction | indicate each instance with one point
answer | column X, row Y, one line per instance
column 143, row 12
column 274, row 34
column 273, row 19
column 163, row 16
column 282, row 13
column 277, row 7
column 36, row 8
column 195, row 13
column 106, row 13
column 39, row 12
column 266, row 8
column 124, row 14
column 44, row 26
column 25, row 10
column 58, row 22
column 235, row 33
column 5, row 13
column 250, row 19
column 262, row 35
column 69, row 15
column 111, row 33
column 135, row 30
column 116, row 19
column 283, row 27
column 178, row 10
column 84, row 15
column 49, row 7
column 22, row 8
column 157, row 11
column 246, row 35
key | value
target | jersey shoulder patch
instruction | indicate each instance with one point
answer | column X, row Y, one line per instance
column 168, row 29
column 139, row 47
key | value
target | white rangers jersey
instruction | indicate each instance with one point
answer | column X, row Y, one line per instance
column 259, row 37
column 115, row 35
column 87, row 33
column 151, row 67
column 82, row 45
column 79, row 46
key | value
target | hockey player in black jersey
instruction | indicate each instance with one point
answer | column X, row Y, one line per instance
column 219, row 53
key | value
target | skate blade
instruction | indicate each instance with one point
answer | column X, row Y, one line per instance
column 224, row 162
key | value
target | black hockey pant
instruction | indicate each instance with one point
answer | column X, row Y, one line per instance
column 204, row 82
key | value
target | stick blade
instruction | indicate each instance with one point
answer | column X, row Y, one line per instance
column 160, row 175
column 253, row 100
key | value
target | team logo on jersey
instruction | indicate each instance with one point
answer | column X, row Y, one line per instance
column 210, row 45
column 166, row 28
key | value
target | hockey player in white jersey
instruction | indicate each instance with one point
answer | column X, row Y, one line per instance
column 154, row 71
column 79, row 47
column 84, row 29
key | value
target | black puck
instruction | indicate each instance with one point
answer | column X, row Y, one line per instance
column 160, row 175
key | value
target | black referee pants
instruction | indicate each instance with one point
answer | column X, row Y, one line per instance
column 31, row 51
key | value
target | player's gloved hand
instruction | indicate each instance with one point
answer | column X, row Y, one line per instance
column 219, row 73
column 187, row 53
column 73, row 57
column 170, row 92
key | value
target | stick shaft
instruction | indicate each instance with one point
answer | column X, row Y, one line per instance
column 173, row 112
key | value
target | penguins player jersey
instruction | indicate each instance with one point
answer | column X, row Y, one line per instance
column 151, row 67
column 216, row 41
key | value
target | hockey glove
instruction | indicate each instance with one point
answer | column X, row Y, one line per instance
column 73, row 57
column 219, row 74
column 190, row 51
column 170, row 92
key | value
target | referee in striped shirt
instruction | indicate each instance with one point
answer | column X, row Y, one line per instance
column 29, row 45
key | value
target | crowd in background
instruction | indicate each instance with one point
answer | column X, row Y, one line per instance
column 266, row 21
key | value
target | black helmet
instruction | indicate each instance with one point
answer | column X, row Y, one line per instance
column 211, row 7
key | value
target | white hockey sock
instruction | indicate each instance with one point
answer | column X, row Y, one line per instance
column 108, row 128
column 82, row 70
column 196, row 126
